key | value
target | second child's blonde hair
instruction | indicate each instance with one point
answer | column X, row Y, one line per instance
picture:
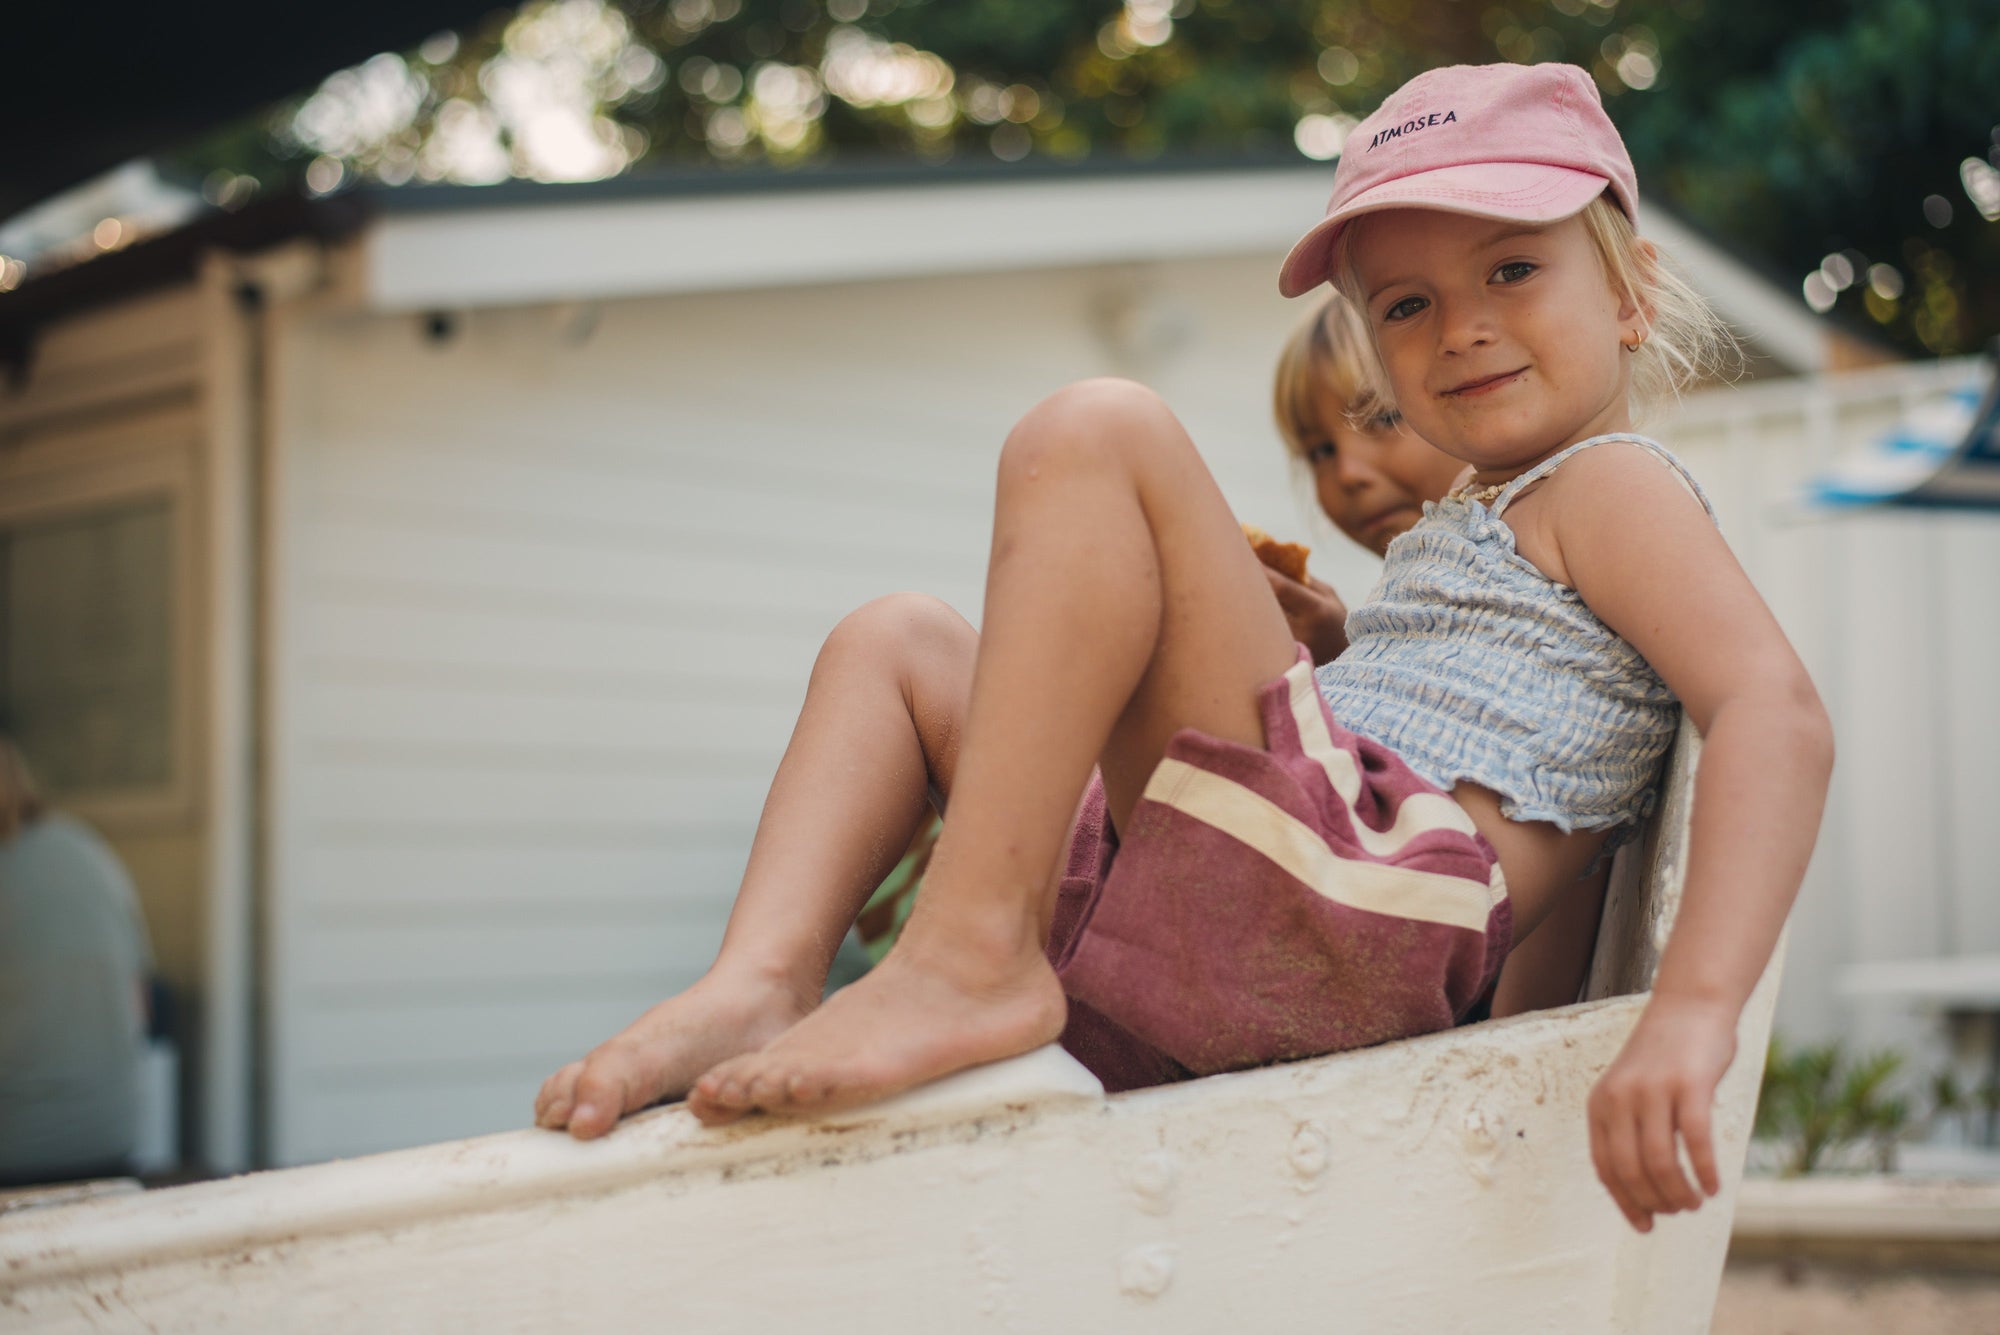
column 1335, row 349
column 1686, row 343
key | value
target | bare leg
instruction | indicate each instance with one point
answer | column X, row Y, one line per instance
column 1122, row 604
column 1550, row 964
column 879, row 730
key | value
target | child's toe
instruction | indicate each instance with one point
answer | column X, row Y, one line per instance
column 601, row 1098
column 709, row 1113
column 809, row 1089
column 552, row 1101
column 724, row 1086
column 765, row 1089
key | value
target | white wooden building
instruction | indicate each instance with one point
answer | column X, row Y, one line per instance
column 502, row 527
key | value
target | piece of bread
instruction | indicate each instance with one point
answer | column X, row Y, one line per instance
column 1287, row 558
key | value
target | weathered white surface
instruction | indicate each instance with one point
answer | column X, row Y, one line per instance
column 1440, row 1184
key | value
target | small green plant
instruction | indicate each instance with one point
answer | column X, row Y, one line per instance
column 1816, row 1100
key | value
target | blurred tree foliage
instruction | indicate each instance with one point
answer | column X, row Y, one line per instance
column 1855, row 139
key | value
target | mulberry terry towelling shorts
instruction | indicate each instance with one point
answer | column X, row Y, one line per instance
column 1266, row 905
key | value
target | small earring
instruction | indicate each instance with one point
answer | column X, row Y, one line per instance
column 1638, row 341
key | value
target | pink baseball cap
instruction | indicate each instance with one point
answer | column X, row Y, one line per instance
column 1525, row 142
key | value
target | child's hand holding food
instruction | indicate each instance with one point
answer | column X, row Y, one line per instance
column 1317, row 616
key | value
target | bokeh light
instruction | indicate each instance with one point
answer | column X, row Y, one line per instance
column 324, row 174
column 1885, row 281
column 1321, row 136
column 1982, row 187
column 1338, row 66
column 541, row 113
column 865, row 71
column 1011, row 143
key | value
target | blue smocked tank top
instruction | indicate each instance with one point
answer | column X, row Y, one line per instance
column 1470, row 663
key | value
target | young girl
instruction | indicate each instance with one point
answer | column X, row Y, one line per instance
column 1372, row 476
column 1248, row 879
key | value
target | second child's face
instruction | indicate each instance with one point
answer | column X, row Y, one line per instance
column 1500, row 340
column 1372, row 483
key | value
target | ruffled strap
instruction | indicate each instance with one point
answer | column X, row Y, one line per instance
column 1555, row 461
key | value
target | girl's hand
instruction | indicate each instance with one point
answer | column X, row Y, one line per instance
column 1662, row 1085
column 1317, row 616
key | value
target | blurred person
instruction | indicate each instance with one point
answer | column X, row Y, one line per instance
column 74, row 958
column 1370, row 474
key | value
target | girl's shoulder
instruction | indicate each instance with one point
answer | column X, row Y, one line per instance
column 1611, row 473
column 1616, row 489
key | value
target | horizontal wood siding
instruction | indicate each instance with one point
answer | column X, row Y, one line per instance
column 548, row 610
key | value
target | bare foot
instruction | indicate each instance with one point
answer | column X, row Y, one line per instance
column 659, row 1054
column 921, row 1014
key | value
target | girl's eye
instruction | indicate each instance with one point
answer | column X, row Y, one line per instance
column 1320, row 453
column 1404, row 309
column 1513, row 271
column 1388, row 421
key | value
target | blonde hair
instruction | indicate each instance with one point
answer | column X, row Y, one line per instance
column 1686, row 342
column 1335, row 349
column 20, row 800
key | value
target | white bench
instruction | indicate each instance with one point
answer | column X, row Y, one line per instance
column 1437, row 1185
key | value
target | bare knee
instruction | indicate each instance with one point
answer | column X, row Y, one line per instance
column 902, row 632
column 1090, row 424
column 921, row 648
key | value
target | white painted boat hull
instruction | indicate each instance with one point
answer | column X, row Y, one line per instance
column 1436, row 1185
column 1442, row 1184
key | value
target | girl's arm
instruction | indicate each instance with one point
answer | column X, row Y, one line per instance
column 1649, row 562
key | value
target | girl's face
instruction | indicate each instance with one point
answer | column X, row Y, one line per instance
column 1373, row 482
column 1501, row 340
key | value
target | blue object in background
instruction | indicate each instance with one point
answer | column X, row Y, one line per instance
column 1944, row 455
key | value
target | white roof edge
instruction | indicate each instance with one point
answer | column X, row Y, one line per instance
column 594, row 249
column 623, row 248
column 1776, row 321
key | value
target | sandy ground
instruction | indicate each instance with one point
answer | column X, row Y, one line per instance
column 1780, row 1298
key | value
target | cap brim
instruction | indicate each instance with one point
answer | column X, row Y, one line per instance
column 1531, row 192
